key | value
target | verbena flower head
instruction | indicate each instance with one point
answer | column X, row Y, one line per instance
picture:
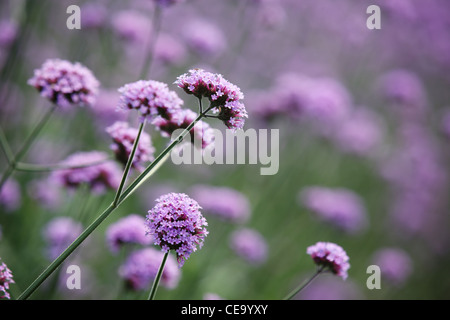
column 59, row 233
column 249, row 245
column 224, row 96
column 65, row 83
column 151, row 98
column 204, row 37
column 123, row 139
column 181, row 119
column 101, row 175
column 6, row 278
column 130, row 229
column 339, row 207
column 177, row 224
column 330, row 256
column 225, row 203
column 141, row 268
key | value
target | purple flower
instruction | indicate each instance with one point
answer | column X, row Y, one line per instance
column 224, row 96
column 8, row 34
column 340, row 207
column 132, row 26
column 103, row 174
column 359, row 133
column 395, row 264
column 93, row 15
column 59, row 233
column 331, row 256
column 130, row 229
column 169, row 50
column 204, row 38
column 123, row 139
column 6, row 278
column 151, row 98
column 225, row 203
column 404, row 89
column 45, row 192
column 181, row 119
column 105, row 107
column 142, row 265
column 10, row 195
column 65, row 83
column 249, row 245
column 177, row 224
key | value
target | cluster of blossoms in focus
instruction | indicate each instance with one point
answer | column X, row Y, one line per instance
column 330, row 256
column 223, row 95
column 6, row 278
column 177, row 224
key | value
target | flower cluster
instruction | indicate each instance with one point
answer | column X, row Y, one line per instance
column 181, row 119
column 330, row 255
column 225, row 203
column 6, row 278
column 10, row 195
column 141, row 268
column 90, row 168
column 65, row 83
column 59, row 233
column 151, row 98
column 177, row 224
column 123, row 139
column 130, row 229
column 224, row 96
column 395, row 264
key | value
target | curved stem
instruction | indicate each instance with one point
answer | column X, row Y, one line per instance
column 113, row 206
column 28, row 142
column 30, row 167
column 129, row 163
column 303, row 285
column 155, row 285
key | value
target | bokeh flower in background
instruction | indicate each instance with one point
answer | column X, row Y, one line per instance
column 250, row 245
column 141, row 267
column 224, row 203
column 10, row 195
column 395, row 265
column 123, row 137
column 127, row 230
column 340, row 207
column 65, row 83
column 59, row 233
column 92, row 169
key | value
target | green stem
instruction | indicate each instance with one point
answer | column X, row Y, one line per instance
column 123, row 196
column 28, row 142
column 303, row 285
column 30, row 167
column 152, row 41
column 129, row 163
column 155, row 285
column 5, row 147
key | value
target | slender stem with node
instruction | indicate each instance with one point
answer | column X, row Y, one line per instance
column 303, row 285
column 155, row 285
